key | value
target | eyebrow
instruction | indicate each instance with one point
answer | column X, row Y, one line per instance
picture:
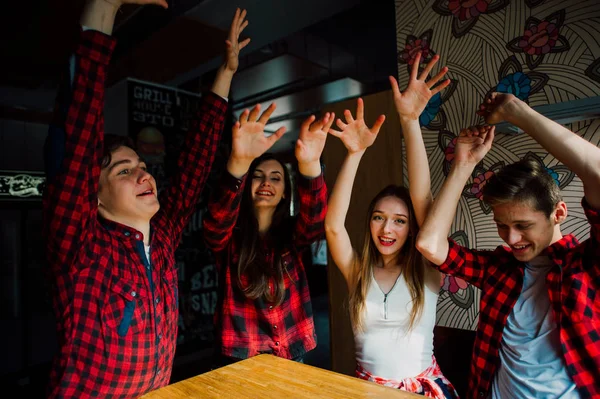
column 397, row 214
column 121, row 162
column 261, row 171
column 514, row 221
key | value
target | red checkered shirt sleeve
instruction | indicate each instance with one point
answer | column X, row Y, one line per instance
column 465, row 263
column 223, row 211
column 310, row 225
column 194, row 164
column 593, row 244
column 581, row 301
column 73, row 150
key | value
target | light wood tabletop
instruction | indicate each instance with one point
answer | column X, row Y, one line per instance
column 268, row 376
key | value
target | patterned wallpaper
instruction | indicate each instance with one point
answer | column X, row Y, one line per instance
column 544, row 52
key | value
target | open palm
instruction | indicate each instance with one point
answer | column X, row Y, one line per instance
column 234, row 46
column 355, row 134
column 412, row 102
column 311, row 139
column 248, row 137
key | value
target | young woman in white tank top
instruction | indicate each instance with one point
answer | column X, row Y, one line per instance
column 393, row 292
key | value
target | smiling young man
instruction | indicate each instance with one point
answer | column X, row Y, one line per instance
column 539, row 320
column 110, row 239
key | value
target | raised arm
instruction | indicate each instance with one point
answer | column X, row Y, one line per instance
column 579, row 155
column 410, row 104
column 73, row 147
column 100, row 14
column 471, row 147
column 200, row 146
column 312, row 191
column 357, row 137
column 248, row 143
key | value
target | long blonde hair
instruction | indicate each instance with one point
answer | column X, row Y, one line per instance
column 412, row 270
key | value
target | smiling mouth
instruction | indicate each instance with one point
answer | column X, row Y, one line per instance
column 146, row 193
column 265, row 193
column 386, row 241
column 520, row 248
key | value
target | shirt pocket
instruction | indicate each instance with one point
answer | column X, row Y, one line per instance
column 125, row 310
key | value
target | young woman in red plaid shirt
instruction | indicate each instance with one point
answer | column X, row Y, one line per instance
column 264, row 303
column 393, row 292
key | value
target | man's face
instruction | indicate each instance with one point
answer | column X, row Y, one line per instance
column 127, row 192
column 526, row 230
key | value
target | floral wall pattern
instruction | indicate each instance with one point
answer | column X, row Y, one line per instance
column 542, row 51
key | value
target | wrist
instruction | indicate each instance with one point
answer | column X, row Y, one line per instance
column 516, row 111
column 408, row 119
column 238, row 167
column 225, row 69
column 309, row 169
column 356, row 154
column 462, row 168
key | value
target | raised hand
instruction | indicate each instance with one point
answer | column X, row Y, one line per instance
column 311, row 139
column 355, row 134
column 249, row 140
column 496, row 107
column 472, row 144
column 233, row 45
column 412, row 102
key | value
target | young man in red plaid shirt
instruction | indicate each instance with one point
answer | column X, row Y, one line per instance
column 539, row 320
column 110, row 240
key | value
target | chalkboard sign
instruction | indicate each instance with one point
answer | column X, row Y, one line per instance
column 159, row 118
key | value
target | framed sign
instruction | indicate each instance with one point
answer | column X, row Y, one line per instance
column 21, row 185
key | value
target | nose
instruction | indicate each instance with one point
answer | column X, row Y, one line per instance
column 386, row 227
column 514, row 236
column 143, row 176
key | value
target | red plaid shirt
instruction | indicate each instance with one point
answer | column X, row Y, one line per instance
column 116, row 313
column 250, row 327
column 574, row 290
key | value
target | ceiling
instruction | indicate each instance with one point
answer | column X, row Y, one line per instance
column 302, row 54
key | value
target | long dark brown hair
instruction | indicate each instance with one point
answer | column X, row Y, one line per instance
column 412, row 260
column 253, row 262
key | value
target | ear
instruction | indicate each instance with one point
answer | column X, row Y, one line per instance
column 560, row 213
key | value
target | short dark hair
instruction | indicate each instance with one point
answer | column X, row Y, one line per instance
column 523, row 181
column 111, row 143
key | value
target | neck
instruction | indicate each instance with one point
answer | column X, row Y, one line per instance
column 391, row 262
column 557, row 235
column 264, row 217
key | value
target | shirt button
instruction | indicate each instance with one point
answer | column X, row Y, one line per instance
column 127, row 234
column 481, row 394
column 157, row 300
column 158, row 372
column 159, row 336
column 137, row 236
column 133, row 294
column 275, row 327
column 277, row 343
column 270, row 306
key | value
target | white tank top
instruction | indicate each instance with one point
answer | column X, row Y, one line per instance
column 384, row 348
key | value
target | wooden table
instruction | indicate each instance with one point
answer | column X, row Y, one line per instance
column 267, row 376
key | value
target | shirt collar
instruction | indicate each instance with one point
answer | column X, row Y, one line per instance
column 121, row 230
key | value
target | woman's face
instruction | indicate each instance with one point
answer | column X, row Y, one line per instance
column 268, row 184
column 389, row 226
